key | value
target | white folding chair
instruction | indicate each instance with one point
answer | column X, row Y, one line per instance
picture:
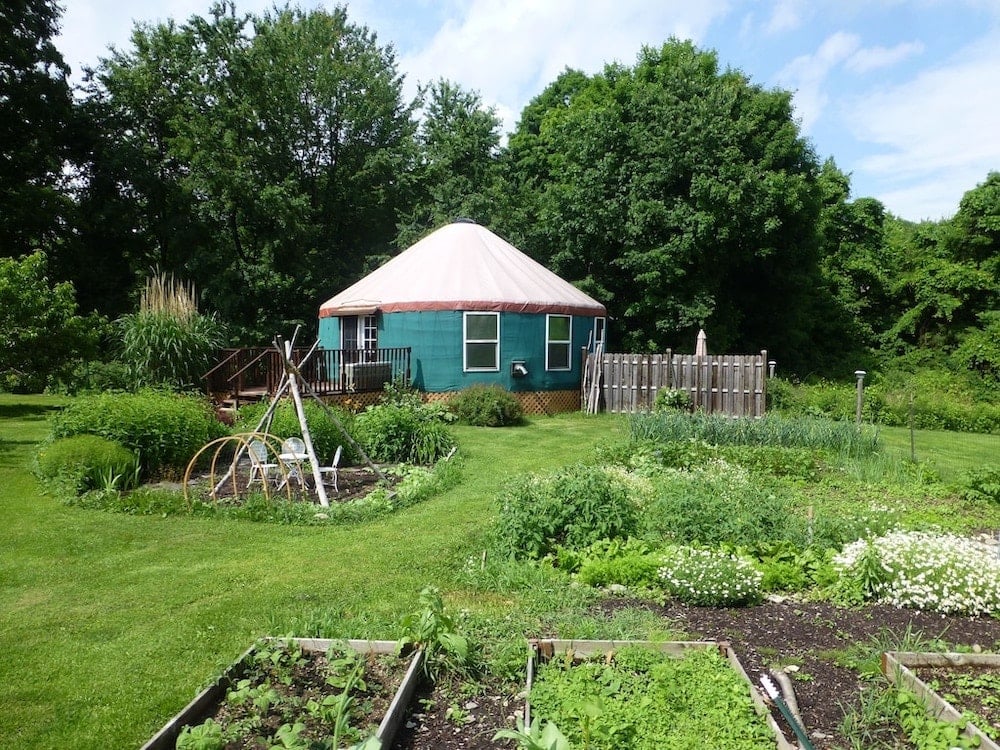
column 261, row 467
column 331, row 470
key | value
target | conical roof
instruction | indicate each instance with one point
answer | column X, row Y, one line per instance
column 462, row 266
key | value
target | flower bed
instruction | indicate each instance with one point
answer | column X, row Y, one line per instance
column 299, row 690
column 901, row 669
column 606, row 694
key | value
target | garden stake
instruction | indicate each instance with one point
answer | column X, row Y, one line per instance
column 775, row 696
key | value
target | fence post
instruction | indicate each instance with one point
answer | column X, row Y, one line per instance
column 860, row 375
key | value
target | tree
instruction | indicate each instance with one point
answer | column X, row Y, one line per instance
column 682, row 197
column 263, row 154
column 43, row 338
column 457, row 162
column 35, row 134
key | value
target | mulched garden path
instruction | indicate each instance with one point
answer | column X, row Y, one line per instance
column 809, row 635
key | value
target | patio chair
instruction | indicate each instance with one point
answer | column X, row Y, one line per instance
column 261, row 468
column 331, row 470
column 293, row 454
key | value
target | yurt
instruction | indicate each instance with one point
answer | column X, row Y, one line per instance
column 472, row 308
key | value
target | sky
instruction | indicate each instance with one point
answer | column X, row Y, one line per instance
column 904, row 95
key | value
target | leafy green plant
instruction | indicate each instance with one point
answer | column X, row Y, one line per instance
column 538, row 735
column 164, row 429
column 926, row 732
column 642, row 699
column 487, row 406
column 205, row 736
column 432, row 629
column 981, row 485
column 44, row 339
column 668, row 399
column 86, row 462
column 395, row 433
column 573, row 507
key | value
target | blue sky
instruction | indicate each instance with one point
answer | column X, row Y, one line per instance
column 903, row 94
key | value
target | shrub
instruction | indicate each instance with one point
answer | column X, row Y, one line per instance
column 487, row 406
column 717, row 504
column 981, row 485
column 87, row 462
column 402, row 433
column 43, row 336
column 323, row 432
column 668, row 399
column 164, row 429
column 573, row 507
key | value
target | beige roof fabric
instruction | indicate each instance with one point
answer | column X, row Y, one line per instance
column 462, row 266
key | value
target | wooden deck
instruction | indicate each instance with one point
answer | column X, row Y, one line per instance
column 250, row 374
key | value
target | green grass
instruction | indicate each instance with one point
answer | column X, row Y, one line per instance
column 948, row 453
column 111, row 623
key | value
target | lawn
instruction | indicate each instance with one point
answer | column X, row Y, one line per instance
column 112, row 623
column 948, row 453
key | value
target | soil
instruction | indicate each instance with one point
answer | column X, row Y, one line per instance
column 353, row 482
column 446, row 717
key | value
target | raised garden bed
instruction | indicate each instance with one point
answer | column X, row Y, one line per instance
column 294, row 689
column 675, row 694
column 946, row 685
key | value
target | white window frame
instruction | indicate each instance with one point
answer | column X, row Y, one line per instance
column 466, row 341
column 550, row 341
column 601, row 322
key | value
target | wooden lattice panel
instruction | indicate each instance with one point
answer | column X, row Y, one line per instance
column 533, row 402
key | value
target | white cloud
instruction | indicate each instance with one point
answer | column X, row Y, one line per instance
column 806, row 74
column 787, row 16
column 938, row 129
column 872, row 58
column 510, row 52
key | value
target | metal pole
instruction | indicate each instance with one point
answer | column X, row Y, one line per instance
column 860, row 375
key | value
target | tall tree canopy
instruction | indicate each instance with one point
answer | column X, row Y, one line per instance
column 681, row 195
column 457, row 163
column 258, row 156
column 35, row 118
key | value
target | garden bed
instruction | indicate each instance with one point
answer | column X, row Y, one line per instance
column 951, row 687
column 646, row 694
column 822, row 646
column 449, row 715
column 283, row 689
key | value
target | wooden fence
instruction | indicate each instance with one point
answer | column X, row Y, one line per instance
column 730, row 384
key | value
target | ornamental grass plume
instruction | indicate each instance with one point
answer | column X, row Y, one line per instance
column 936, row 572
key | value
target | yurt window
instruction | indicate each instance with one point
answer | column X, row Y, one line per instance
column 558, row 342
column 482, row 341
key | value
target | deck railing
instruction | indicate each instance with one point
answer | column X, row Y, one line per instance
column 258, row 370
